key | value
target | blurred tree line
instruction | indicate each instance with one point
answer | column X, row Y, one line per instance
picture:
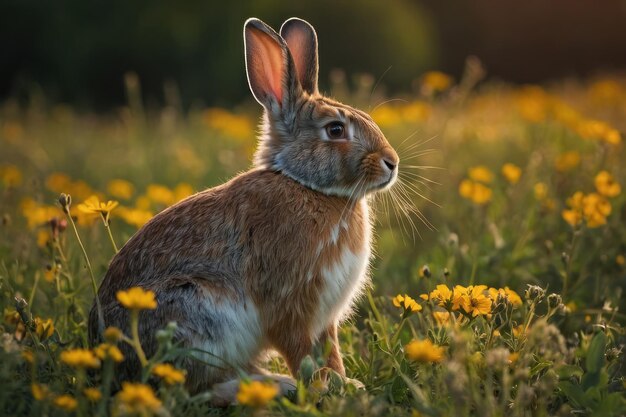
column 79, row 51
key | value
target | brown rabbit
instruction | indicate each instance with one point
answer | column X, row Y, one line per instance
column 274, row 258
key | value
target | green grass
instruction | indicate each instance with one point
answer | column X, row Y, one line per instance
column 556, row 353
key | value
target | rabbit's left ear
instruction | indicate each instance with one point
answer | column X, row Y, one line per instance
column 302, row 42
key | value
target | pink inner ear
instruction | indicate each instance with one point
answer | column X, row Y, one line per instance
column 297, row 45
column 267, row 63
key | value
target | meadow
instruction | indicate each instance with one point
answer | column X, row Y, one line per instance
column 499, row 268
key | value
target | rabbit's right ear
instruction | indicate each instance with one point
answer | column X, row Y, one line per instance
column 269, row 66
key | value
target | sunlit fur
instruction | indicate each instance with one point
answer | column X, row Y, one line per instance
column 275, row 257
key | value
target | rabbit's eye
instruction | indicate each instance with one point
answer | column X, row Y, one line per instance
column 336, row 130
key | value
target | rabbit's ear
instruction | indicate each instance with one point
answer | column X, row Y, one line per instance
column 270, row 68
column 302, row 42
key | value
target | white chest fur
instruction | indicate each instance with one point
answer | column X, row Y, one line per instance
column 344, row 279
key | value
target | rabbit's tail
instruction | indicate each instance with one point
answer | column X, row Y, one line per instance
column 225, row 393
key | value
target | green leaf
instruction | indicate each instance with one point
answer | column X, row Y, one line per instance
column 595, row 353
column 569, row 371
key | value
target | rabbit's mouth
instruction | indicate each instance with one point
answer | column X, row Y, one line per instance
column 387, row 183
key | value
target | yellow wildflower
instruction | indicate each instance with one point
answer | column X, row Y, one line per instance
column 40, row 391
column 80, row 358
column 606, row 91
column 417, row 111
column 533, row 103
column 567, row 161
column 134, row 216
column 138, row 398
column 606, row 184
column 66, row 402
column 620, row 260
column 37, row 215
column 476, row 303
column 475, row 191
column 94, row 206
column 28, row 356
column 58, row 182
column 44, row 328
column 182, row 191
column 424, row 351
column 93, row 394
column 122, row 189
column 435, row 81
column 256, row 393
column 112, row 334
column 507, row 293
column 442, row 318
column 407, row 303
column 595, row 208
column 598, row 130
column 511, row 173
column 230, row 124
column 160, row 194
column 169, row 374
column 572, row 217
column 137, row 298
column 10, row 175
column 480, row 173
column 541, row 191
column 109, row 351
column 386, row 115
column 513, row 357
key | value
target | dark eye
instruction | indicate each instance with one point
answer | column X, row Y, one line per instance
column 336, row 130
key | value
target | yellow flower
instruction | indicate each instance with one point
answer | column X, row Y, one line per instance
column 44, row 328
column 40, row 391
column 137, row 298
column 507, row 293
column 120, row 189
column 58, row 182
column 80, row 358
column 595, row 208
column 572, row 217
column 476, row 302
column 606, row 184
column 112, row 334
column 256, row 393
column 417, row 111
column 94, row 206
column 442, row 318
column 541, row 191
column 160, row 194
column 182, row 191
column 108, row 351
column 10, row 175
column 533, row 104
column 481, row 173
column 138, row 398
column 37, row 215
column 66, row 402
column 435, row 81
column 169, row 374
column 598, row 130
column 567, row 161
column 230, row 124
column 93, row 394
column 28, row 356
column 511, row 173
column 513, row 357
column 407, row 303
column 475, row 191
column 620, row 260
column 424, row 351
column 134, row 216
column 386, row 115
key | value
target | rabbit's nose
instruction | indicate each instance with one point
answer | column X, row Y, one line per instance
column 389, row 159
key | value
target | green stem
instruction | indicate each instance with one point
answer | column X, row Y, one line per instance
column 134, row 328
column 93, row 278
column 105, row 220
column 32, row 292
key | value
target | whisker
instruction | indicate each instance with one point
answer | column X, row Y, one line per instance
column 386, row 102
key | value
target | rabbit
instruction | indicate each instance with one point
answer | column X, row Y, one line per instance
column 274, row 259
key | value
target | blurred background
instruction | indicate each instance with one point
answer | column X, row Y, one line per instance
column 77, row 52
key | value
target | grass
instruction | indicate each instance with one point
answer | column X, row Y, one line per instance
column 514, row 188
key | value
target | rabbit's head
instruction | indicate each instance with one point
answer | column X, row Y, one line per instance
column 321, row 143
